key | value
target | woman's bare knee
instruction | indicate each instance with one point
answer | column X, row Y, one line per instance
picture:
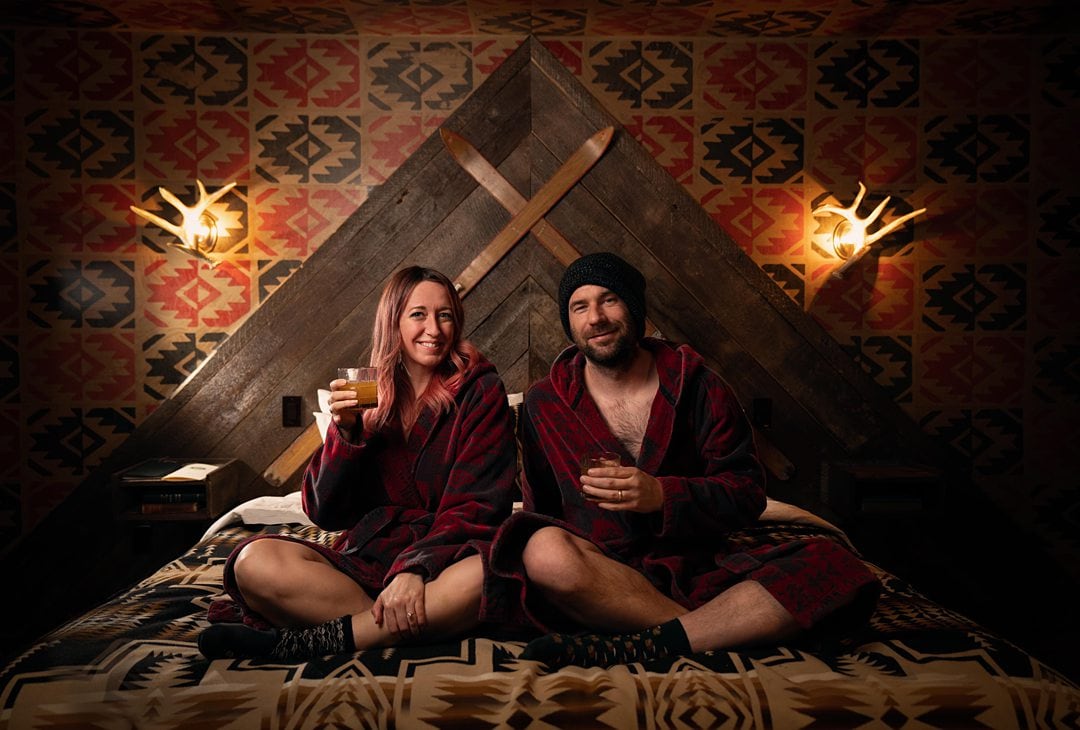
column 267, row 568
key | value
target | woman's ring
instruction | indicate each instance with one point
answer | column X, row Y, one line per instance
column 620, row 495
column 410, row 614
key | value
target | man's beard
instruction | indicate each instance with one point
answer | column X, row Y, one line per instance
column 613, row 356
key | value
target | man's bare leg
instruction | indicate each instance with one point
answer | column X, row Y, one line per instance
column 591, row 588
column 606, row 595
column 744, row 615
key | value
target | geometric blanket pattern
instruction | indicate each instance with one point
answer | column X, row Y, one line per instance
column 134, row 662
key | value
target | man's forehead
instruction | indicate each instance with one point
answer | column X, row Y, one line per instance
column 589, row 291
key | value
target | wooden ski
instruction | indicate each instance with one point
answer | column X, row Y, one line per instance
column 500, row 188
column 529, row 212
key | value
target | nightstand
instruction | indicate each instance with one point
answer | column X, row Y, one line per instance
column 888, row 509
column 145, row 493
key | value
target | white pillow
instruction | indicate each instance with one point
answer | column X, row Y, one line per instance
column 323, row 417
column 265, row 510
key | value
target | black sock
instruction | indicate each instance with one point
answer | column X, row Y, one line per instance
column 240, row 640
column 604, row 650
column 227, row 640
column 333, row 637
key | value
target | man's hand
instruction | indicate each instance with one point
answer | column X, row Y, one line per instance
column 401, row 606
column 623, row 488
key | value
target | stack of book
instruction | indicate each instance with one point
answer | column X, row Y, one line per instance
column 160, row 501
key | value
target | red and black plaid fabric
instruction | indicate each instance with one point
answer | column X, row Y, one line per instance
column 415, row 504
column 700, row 446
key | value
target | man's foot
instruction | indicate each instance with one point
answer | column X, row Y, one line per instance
column 605, row 650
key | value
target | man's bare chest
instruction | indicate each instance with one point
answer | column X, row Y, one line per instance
column 627, row 418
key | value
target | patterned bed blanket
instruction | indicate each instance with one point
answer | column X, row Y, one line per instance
column 133, row 662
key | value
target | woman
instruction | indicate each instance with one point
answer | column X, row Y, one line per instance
column 417, row 485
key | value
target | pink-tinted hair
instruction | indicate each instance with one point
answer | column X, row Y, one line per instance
column 395, row 389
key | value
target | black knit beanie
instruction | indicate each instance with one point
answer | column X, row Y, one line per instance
column 611, row 272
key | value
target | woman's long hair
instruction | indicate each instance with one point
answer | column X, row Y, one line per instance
column 396, row 397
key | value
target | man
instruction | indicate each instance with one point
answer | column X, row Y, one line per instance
column 639, row 552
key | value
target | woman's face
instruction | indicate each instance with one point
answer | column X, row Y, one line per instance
column 426, row 326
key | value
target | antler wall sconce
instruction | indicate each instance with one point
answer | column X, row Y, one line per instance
column 198, row 229
column 850, row 239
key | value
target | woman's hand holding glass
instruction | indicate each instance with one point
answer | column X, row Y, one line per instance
column 351, row 393
column 342, row 404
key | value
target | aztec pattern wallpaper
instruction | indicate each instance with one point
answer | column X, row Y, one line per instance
column 969, row 109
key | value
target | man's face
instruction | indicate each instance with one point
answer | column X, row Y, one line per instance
column 601, row 326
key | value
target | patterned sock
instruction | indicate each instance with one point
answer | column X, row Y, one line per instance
column 238, row 640
column 333, row 637
column 604, row 650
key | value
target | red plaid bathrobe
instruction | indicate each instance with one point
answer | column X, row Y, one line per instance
column 415, row 504
column 700, row 446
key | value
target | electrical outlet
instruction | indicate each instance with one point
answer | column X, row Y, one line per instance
column 290, row 410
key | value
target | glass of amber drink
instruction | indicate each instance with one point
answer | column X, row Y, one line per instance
column 363, row 382
column 595, row 460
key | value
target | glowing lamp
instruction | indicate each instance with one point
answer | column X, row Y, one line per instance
column 198, row 229
column 850, row 238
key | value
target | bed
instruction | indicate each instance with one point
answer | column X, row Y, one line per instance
column 133, row 662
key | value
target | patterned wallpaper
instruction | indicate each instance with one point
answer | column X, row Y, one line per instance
column 966, row 318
